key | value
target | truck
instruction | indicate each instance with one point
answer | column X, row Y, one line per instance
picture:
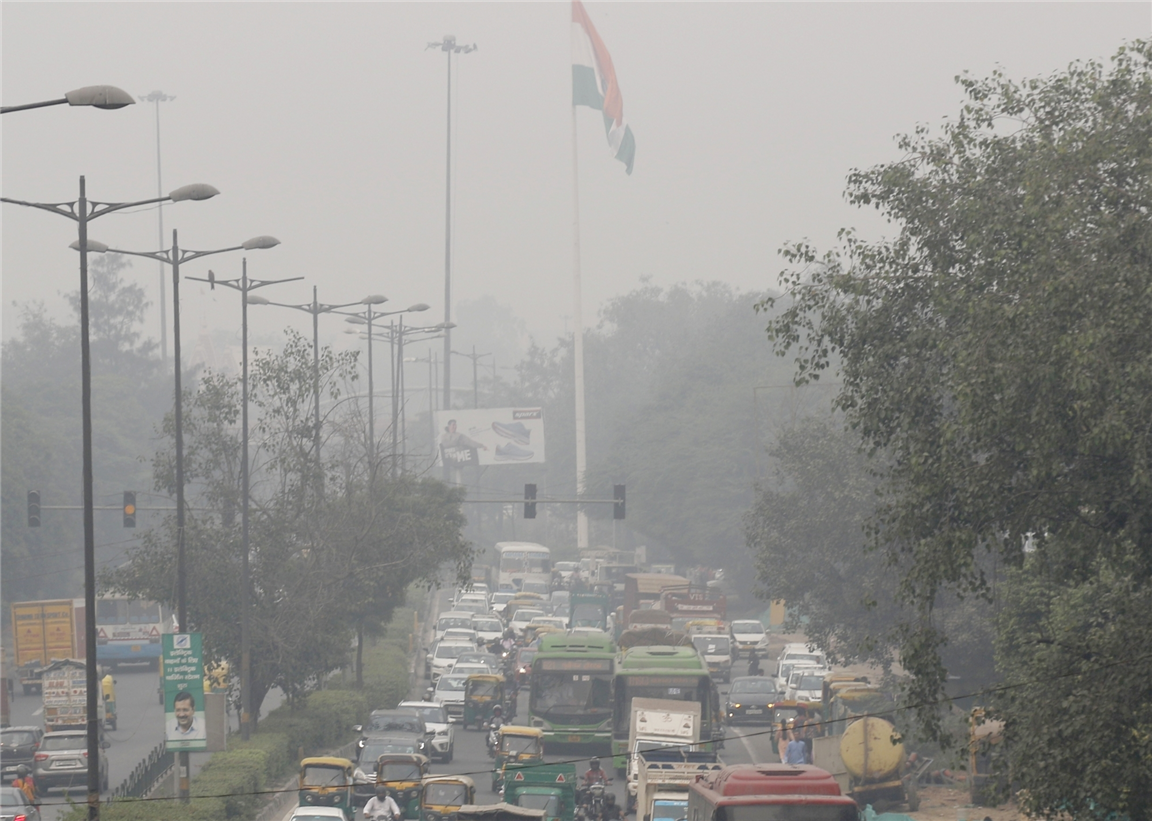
column 664, row 776
column 42, row 631
column 769, row 791
column 643, row 590
column 588, row 610
column 693, row 602
column 65, row 687
column 547, row 787
column 659, row 724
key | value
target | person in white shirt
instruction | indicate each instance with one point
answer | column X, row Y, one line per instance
column 382, row 806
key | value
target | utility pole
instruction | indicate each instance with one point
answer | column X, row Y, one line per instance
column 475, row 357
column 449, row 46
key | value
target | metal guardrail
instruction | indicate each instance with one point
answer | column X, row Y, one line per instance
column 145, row 775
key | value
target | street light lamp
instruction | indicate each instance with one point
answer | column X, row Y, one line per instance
column 106, row 97
column 81, row 211
column 175, row 257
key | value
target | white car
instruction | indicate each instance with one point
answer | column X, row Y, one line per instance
column 316, row 814
column 788, row 668
column 499, row 600
column 805, row 684
column 472, row 668
column 436, row 720
column 488, row 628
column 449, row 693
column 462, row 634
column 453, row 618
column 747, row 634
column 795, row 655
column 522, row 616
column 445, row 655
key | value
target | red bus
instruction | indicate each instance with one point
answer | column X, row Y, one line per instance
column 769, row 792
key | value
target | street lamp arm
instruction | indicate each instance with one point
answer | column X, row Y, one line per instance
column 164, row 256
column 99, row 209
column 10, row 108
column 188, row 256
column 237, row 285
column 64, row 209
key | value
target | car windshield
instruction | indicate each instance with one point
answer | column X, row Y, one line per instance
column 453, row 684
column 399, row 771
column 15, row 738
column 431, row 714
column 535, row 587
column 446, row 622
column 315, row 776
column 812, row 659
column 526, row 615
column 487, row 625
column 440, row 795
column 753, row 686
column 502, row 598
column 711, row 645
column 669, row 810
column 63, row 742
column 452, row 651
column 403, row 724
column 748, row 627
column 809, row 683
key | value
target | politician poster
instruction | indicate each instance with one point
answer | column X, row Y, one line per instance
column 185, row 727
column 490, row 436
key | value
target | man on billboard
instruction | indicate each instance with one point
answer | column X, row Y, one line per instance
column 458, row 449
column 189, row 723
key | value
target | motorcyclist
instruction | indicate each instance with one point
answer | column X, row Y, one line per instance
column 494, row 725
column 24, row 783
column 382, row 807
column 595, row 775
column 611, row 811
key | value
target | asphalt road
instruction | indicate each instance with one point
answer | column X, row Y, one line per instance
column 140, row 727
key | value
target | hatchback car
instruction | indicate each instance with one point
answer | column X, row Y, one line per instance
column 436, row 720
column 18, row 745
column 62, row 761
column 445, row 655
column 398, row 723
column 747, row 634
column 749, row 698
column 14, row 806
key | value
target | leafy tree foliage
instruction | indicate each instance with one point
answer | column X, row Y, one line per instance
column 998, row 351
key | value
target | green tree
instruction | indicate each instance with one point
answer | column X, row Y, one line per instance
column 998, row 351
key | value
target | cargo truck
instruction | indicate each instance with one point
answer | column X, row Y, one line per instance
column 43, row 631
column 767, row 792
column 659, row 723
column 65, row 686
column 664, row 776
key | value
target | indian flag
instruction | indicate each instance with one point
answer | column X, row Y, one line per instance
column 594, row 84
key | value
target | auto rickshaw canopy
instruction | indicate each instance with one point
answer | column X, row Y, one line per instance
column 520, row 740
column 437, row 792
column 412, row 768
column 484, row 687
column 325, row 771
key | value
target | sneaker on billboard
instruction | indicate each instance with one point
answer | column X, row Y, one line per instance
column 516, row 431
column 512, row 452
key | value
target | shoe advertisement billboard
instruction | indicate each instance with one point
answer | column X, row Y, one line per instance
column 490, row 436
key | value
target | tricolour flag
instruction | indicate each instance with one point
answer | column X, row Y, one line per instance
column 594, row 84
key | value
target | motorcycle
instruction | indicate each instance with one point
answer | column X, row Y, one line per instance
column 493, row 736
column 590, row 802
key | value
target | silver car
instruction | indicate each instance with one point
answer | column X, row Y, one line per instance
column 436, row 720
column 62, row 761
column 15, row 804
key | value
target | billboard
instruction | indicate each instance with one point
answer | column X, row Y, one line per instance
column 185, row 727
column 490, row 436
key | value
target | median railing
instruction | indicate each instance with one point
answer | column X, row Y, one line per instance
column 155, row 766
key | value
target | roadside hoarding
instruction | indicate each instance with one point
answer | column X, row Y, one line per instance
column 490, row 436
column 185, row 727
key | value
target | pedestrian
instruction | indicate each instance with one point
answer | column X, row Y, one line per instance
column 783, row 736
column 796, row 753
column 808, row 730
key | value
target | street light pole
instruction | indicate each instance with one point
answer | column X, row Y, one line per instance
column 158, row 97
column 83, row 211
column 105, row 97
column 449, row 46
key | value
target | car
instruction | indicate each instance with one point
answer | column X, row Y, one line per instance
column 364, row 776
column 449, row 693
column 499, row 599
column 522, row 617
column 14, row 805
column 476, row 607
column 473, row 669
column 453, row 618
column 436, row 720
column 462, row 634
column 480, row 657
column 488, row 627
column 62, row 761
column 796, row 655
column 748, row 700
column 396, row 723
column 565, row 570
column 314, row 813
column 716, row 650
column 746, row 635
column 18, row 746
column 805, row 684
column 445, row 655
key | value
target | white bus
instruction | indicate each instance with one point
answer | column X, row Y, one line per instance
column 524, row 562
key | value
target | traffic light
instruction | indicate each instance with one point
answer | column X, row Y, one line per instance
column 129, row 508
column 529, row 501
column 618, row 495
column 33, row 508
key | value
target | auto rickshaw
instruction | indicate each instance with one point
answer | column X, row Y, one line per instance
column 442, row 796
column 326, row 781
column 108, row 690
column 498, row 812
column 402, row 774
column 481, row 694
column 516, row 745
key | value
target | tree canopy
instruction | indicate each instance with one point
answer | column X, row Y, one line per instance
column 998, row 353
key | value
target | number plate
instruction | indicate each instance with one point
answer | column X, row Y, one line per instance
column 135, row 648
column 573, row 739
column 753, row 711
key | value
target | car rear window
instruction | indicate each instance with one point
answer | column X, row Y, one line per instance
column 63, row 742
column 15, row 738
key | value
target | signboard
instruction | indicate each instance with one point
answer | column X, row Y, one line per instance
column 490, row 436
column 185, row 727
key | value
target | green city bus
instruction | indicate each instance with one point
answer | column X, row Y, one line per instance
column 571, row 694
column 677, row 673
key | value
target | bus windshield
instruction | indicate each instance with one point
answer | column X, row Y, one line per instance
column 563, row 693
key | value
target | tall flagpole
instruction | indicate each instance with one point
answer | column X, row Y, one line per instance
column 578, row 346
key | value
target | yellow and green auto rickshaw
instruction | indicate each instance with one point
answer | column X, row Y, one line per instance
column 481, row 694
column 326, row 781
column 108, row 690
column 402, row 774
column 442, row 796
column 516, row 745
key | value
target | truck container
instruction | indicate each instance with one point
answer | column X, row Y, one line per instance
column 768, row 792
column 664, row 776
column 65, row 689
column 642, row 590
column 659, row 723
column 42, row 631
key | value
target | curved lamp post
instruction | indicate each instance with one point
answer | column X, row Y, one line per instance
column 175, row 257
column 106, row 97
column 82, row 211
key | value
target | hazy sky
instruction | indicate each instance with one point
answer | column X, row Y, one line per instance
column 324, row 125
